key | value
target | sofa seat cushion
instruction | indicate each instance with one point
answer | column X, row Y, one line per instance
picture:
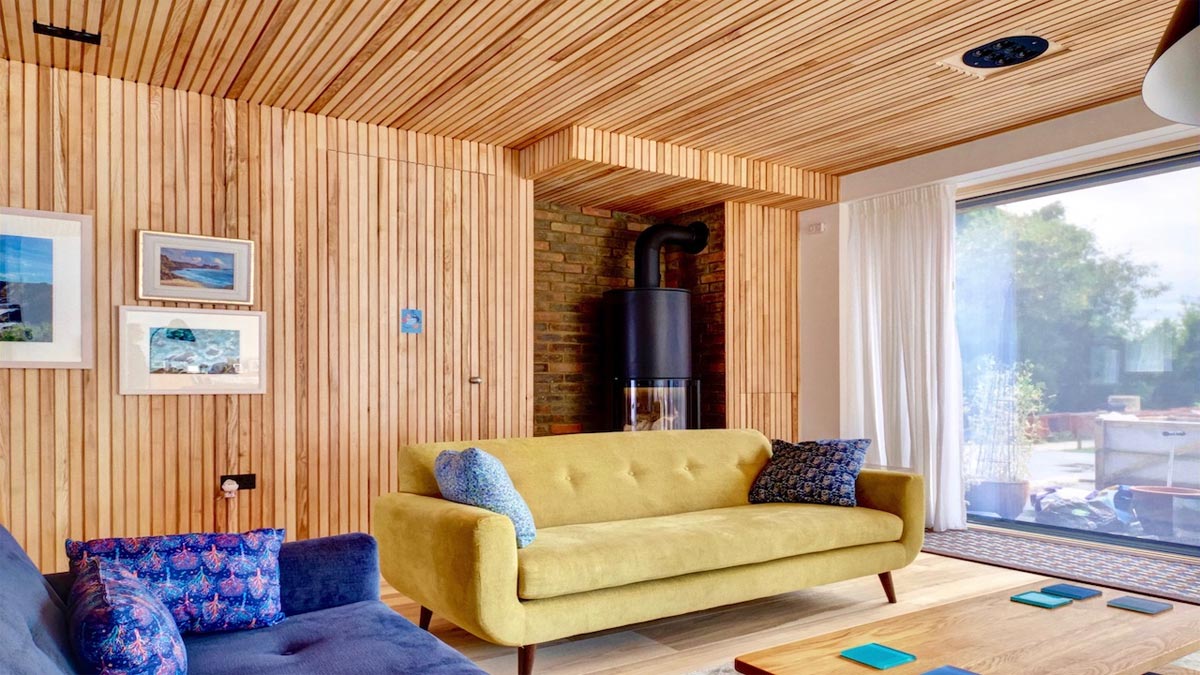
column 356, row 639
column 576, row 558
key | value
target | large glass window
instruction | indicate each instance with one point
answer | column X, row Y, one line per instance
column 1079, row 320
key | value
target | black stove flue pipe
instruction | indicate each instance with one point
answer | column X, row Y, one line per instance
column 646, row 274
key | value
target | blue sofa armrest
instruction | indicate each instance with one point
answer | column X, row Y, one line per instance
column 328, row 572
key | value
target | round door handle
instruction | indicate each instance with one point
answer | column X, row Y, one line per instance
column 475, row 379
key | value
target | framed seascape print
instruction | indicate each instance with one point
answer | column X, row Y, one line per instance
column 191, row 268
column 167, row 350
column 46, row 300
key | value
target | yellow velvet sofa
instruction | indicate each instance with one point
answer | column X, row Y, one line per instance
column 630, row 527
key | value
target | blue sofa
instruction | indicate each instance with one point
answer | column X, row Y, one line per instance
column 329, row 589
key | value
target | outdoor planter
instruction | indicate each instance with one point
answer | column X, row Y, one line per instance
column 1155, row 507
column 1006, row 499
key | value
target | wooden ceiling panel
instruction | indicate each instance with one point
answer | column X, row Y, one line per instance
column 453, row 56
column 690, row 65
column 507, row 88
column 578, row 165
column 830, row 85
column 388, row 70
column 948, row 101
column 607, row 71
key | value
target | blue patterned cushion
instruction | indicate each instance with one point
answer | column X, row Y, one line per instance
column 474, row 477
column 118, row 626
column 814, row 472
column 209, row 582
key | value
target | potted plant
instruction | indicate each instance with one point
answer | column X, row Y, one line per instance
column 1002, row 409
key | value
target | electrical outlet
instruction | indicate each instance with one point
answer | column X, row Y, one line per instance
column 245, row 481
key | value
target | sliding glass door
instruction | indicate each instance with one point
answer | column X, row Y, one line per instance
column 1079, row 320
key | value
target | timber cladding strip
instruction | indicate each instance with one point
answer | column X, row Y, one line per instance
column 578, row 165
column 832, row 85
column 762, row 319
column 353, row 222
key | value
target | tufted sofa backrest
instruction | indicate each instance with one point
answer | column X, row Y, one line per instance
column 589, row 478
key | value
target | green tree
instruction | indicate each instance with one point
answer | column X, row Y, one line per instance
column 1034, row 287
column 1181, row 385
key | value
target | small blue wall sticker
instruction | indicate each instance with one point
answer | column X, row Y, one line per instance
column 410, row 321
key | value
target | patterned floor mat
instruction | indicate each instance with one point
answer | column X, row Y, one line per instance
column 1126, row 570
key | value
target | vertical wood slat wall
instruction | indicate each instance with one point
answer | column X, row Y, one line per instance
column 353, row 222
column 762, row 319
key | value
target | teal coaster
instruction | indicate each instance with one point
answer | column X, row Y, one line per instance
column 1039, row 599
column 878, row 656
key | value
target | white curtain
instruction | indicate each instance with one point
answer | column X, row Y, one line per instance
column 901, row 379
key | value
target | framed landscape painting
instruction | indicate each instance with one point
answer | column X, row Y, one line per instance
column 191, row 268
column 166, row 350
column 46, row 301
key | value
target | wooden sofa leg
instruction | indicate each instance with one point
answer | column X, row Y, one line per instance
column 525, row 659
column 426, row 617
column 888, row 588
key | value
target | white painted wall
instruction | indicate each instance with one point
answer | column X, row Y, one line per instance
column 819, row 324
column 1097, row 132
column 1092, row 133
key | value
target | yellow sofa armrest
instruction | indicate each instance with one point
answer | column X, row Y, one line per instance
column 902, row 494
column 457, row 560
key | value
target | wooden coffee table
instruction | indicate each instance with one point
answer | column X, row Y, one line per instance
column 990, row 634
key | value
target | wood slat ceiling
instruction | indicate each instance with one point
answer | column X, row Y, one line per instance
column 830, row 85
column 624, row 173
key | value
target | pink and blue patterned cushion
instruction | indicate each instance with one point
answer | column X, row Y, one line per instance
column 477, row 478
column 209, row 582
column 813, row 472
column 118, row 626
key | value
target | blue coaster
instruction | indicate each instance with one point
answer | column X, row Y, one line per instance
column 1071, row 591
column 878, row 656
column 1140, row 605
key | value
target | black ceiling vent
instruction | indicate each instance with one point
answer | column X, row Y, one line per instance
column 49, row 30
column 1007, row 51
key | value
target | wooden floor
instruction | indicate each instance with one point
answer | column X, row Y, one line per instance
column 706, row 639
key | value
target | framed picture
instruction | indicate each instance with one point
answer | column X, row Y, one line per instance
column 46, row 300
column 191, row 268
column 167, row 350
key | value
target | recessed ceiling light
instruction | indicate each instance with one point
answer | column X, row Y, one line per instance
column 1007, row 51
column 999, row 54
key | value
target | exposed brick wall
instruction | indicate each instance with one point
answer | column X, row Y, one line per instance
column 704, row 274
column 578, row 254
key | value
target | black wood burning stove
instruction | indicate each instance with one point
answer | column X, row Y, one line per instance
column 648, row 340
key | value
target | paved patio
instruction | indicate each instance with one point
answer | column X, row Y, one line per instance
column 1062, row 464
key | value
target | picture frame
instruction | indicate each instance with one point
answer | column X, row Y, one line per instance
column 47, row 304
column 172, row 350
column 195, row 268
